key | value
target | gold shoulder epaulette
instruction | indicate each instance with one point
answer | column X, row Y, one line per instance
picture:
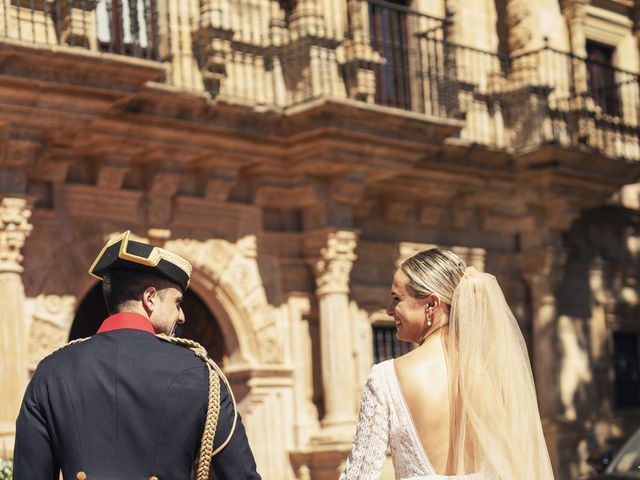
column 72, row 342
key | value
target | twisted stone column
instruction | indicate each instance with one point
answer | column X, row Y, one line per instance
column 331, row 269
column 14, row 230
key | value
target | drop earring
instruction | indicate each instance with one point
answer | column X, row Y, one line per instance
column 429, row 320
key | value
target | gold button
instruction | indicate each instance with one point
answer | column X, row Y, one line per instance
column 81, row 476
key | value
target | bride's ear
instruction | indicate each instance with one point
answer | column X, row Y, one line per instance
column 432, row 303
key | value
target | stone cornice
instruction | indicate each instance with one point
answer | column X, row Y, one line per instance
column 73, row 66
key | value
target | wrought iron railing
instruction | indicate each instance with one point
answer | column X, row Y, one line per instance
column 278, row 54
column 579, row 102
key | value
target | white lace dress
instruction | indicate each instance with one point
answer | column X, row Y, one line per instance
column 384, row 421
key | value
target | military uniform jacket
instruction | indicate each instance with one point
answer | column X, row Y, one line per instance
column 123, row 405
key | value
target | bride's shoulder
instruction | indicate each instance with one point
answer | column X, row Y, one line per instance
column 420, row 364
column 379, row 368
column 409, row 361
column 379, row 372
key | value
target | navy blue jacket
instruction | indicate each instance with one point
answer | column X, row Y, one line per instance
column 123, row 405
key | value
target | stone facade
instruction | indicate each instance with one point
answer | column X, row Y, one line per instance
column 295, row 154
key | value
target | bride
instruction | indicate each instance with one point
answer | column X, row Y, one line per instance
column 462, row 404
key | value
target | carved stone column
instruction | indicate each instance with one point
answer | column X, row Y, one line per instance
column 14, row 230
column 331, row 266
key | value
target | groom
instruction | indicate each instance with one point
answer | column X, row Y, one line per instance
column 125, row 403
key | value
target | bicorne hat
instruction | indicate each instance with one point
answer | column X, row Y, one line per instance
column 122, row 253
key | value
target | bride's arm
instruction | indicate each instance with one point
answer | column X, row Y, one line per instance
column 369, row 449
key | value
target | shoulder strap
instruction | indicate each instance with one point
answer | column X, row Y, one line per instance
column 72, row 342
column 213, row 409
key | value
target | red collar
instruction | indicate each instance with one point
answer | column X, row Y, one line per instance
column 124, row 320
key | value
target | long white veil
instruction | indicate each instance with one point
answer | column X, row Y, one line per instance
column 495, row 424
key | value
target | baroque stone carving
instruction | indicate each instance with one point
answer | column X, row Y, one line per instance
column 44, row 337
column 233, row 267
column 333, row 266
column 58, row 310
column 518, row 17
column 14, row 230
column 270, row 344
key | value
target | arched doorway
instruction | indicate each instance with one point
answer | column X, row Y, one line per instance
column 200, row 324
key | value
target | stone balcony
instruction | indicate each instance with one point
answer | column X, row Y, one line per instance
column 369, row 91
column 276, row 58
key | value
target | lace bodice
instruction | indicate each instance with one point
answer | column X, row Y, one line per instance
column 385, row 421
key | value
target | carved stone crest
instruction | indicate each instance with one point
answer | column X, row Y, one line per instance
column 14, row 230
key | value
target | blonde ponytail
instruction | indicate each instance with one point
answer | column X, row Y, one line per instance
column 495, row 426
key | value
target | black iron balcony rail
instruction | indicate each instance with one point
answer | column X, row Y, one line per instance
column 280, row 54
column 581, row 101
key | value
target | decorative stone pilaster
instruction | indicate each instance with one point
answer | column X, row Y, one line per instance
column 575, row 13
column 215, row 34
column 78, row 23
column 519, row 25
column 636, row 18
column 361, row 58
column 453, row 25
column 306, row 18
column 521, row 30
column 541, row 269
column 14, row 230
column 312, row 53
column 162, row 187
column 331, row 264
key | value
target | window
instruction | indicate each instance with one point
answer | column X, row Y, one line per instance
column 389, row 36
column 626, row 362
column 386, row 344
column 602, row 79
column 128, row 27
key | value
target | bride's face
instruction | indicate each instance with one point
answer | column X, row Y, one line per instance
column 407, row 311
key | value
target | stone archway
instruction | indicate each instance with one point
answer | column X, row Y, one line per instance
column 226, row 280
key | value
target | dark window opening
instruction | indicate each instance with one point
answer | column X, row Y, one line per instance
column 128, row 27
column 602, row 80
column 626, row 363
column 390, row 37
column 386, row 344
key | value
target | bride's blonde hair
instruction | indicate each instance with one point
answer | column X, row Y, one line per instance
column 495, row 426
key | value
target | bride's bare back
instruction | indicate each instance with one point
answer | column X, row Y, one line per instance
column 422, row 374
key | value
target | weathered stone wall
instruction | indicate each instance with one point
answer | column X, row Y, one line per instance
column 295, row 196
